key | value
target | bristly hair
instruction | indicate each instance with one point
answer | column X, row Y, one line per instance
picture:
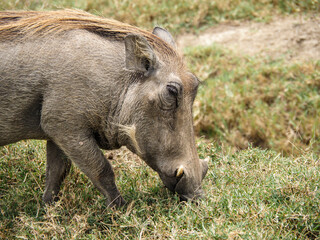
column 19, row 25
column 130, row 132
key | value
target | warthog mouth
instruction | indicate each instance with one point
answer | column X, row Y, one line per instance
column 198, row 194
column 180, row 185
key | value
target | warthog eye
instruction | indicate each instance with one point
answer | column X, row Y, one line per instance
column 170, row 96
column 173, row 90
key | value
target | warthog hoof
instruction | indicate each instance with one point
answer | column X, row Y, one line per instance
column 50, row 198
column 117, row 202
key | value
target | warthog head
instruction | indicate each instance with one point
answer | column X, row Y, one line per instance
column 157, row 114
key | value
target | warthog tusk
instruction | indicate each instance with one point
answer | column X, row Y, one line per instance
column 179, row 171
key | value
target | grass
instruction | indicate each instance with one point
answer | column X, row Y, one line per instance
column 251, row 194
column 268, row 108
column 259, row 101
column 177, row 16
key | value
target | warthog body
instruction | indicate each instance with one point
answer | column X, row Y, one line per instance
column 84, row 83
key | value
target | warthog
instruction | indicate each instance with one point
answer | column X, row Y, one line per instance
column 85, row 83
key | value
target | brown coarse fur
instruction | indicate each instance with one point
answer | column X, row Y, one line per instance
column 85, row 83
column 17, row 25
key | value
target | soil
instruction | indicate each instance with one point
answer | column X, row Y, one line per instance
column 291, row 38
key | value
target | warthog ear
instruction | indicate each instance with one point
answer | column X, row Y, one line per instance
column 139, row 54
column 165, row 36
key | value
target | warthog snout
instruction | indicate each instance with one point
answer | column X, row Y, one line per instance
column 186, row 181
column 108, row 85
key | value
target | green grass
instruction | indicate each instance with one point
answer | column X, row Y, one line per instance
column 251, row 194
column 177, row 16
column 259, row 101
column 270, row 192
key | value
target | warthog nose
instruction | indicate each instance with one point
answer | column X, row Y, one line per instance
column 183, row 198
column 198, row 194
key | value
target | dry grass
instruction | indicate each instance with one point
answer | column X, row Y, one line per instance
column 175, row 15
column 252, row 194
column 262, row 102
column 244, row 100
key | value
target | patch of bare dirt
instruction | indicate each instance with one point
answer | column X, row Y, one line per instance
column 291, row 38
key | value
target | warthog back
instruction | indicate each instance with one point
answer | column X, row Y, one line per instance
column 85, row 83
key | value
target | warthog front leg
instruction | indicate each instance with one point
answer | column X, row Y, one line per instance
column 85, row 153
column 58, row 166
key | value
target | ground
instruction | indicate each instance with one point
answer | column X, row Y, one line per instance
column 250, row 194
column 294, row 38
